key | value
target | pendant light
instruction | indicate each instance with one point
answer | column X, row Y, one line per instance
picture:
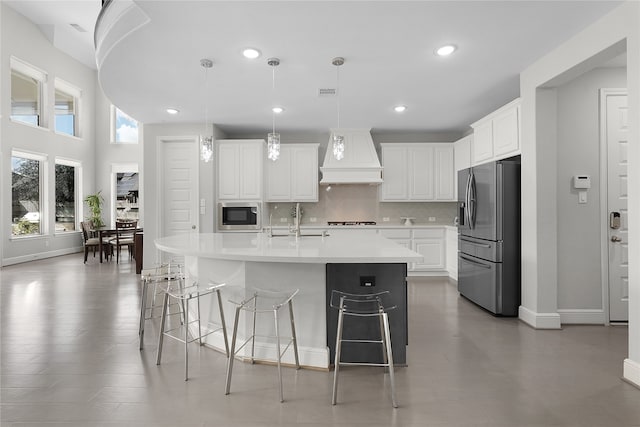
column 273, row 139
column 336, row 138
column 206, row 141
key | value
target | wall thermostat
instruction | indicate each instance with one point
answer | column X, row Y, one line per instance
column 581, row 181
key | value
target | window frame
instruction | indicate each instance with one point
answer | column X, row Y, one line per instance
column 77, row 188
column 74, row 92
column 42, row 193
column 114, row 130
column 25, row 69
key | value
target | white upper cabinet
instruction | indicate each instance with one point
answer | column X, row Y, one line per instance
column 294, row 176
column 506, row 132
column 462, row 153
column 497, row 135
column 396, row 179
column 444, row 172
column 421, row 172
column 240, row 169
column 417, row 172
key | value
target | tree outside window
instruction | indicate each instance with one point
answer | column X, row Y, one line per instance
column 25, row 196
column 65, row 198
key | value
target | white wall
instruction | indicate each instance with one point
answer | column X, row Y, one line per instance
column 20, row 38
column 579, row 228
column 109, row 155
column 597, row 43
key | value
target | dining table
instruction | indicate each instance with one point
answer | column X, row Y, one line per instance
column 104, row 232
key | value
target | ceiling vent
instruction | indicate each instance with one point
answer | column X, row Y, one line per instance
column 323, row 92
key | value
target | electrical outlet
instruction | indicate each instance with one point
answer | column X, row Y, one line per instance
column 432, row 219
column 46, row 243
column 283, row 219
column 385, row 219
column 313, row 219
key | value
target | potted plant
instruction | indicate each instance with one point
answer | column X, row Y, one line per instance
column 95, row 201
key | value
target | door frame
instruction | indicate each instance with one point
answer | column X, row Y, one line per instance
column 160, row 177
column 604, row 196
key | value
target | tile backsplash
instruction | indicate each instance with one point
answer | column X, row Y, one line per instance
column 351, row 202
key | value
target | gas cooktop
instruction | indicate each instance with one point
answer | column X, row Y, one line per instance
column 351, row 223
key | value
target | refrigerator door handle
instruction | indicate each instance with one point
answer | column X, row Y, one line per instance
column 466, row 201
column 483, row 245
column 472, row 201
column 473, row 261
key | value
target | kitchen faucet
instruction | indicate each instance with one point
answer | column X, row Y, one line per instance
column 298, row 218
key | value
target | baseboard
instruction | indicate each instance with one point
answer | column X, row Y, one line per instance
column 582, row 316
column 41, row 255
column 631, row 372
column 539, row 320
column 308, row 356
column 442, row 273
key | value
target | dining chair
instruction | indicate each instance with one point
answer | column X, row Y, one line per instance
column 124, row 237
column 88, row 242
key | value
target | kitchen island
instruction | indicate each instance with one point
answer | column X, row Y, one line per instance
column 246, row 260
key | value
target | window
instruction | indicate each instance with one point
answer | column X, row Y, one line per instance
column 67, row 173
column 26, row 93
column 66, row 108
column 127, row 195
column 124, row 128
column 27, row 171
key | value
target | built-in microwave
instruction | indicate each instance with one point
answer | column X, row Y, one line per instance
column 239, row 216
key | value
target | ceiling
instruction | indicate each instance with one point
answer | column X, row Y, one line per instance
column 388, row 48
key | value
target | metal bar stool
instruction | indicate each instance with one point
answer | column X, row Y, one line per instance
column 160, row 275
column 264, row 302
column 363, row 305
column 184, row 292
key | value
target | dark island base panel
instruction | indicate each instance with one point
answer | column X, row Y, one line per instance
column 386, row 277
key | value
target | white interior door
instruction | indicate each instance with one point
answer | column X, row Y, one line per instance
column 179, row 187
column 617, row 132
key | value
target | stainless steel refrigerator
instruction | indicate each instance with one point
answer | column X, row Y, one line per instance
column 489, row 235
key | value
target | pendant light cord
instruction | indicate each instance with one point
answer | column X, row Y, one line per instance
column 338, row 90
column 273, row 98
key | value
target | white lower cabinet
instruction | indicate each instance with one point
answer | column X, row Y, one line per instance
column 452, row 252
column 428, row 242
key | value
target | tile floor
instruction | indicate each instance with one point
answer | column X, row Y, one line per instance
column 69, row 357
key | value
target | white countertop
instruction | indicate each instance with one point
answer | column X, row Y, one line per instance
column 260, row 247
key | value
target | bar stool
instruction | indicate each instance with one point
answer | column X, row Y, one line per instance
column 264, row 302
column 183, row 292
column 363, row 305
column 155, row 276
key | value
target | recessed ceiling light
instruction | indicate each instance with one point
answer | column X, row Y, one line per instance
column 446, row 50
column 277, row 110
column 251, row 53
column 172, row 111
column 399, row 108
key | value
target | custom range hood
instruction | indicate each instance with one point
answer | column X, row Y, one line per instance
column 360, row 164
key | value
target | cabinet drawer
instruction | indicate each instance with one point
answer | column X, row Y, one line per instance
column 395, row 233
column 428, row 233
